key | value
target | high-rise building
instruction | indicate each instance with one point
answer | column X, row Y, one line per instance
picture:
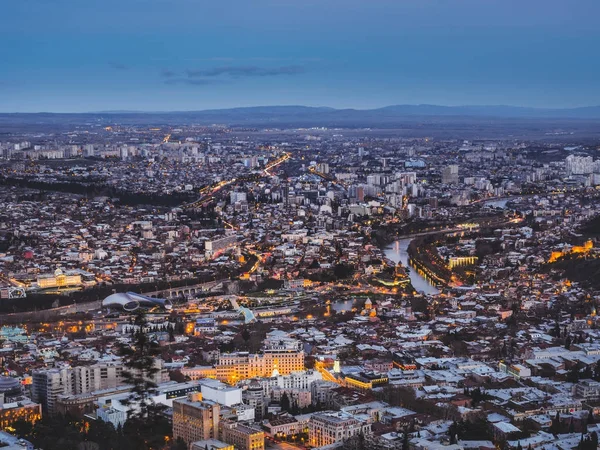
column 48, row 384
column 237, row 196
column 579, row 165
column 195, row 419
column 323, row 168
column 450, row 174
column 254, row 396
column 360, row 193
column 96, row 377
column 285, row 192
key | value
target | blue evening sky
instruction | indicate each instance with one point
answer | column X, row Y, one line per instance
column 92, row 55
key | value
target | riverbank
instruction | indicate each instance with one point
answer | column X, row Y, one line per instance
column 398, row 253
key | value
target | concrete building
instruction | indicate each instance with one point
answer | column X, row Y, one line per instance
column 220, row 393
column 450, row 174
column 195, row 419
column 330, row 427
column 588, row 389
column 281, row 355
column 211, row 444
column 579, row 165
column 58, row 279
column 97, row 377
column 199, row 372
column 218, row 245
column 48, row 384
column 254, row 396
column 167, row 394
column 242, row 437
column 24, row 409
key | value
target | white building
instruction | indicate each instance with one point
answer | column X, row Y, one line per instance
column 220, row 392
column 330, row 427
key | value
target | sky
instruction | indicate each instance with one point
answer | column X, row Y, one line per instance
column 176, row 55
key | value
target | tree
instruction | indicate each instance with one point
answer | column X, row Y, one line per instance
column 23, row 427
column 285, row 402
column 405, row 443
column 140, row 368
column 179, row 444
column 568, row 341
column 555, row 427
column 176, row 375
column 591, row 419
column 246, row 335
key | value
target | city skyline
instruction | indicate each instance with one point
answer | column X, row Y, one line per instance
column 181, row 55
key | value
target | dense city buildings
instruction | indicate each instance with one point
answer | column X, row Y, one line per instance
column 303, row 288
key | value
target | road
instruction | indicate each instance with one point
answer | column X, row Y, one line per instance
column 282, row 445
column 278, row 161
column 208, row 191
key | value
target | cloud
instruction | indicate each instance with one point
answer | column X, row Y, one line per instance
column 166, row 73
column 193, row 81
column 118, row 65
column 245, row 71
column 223, row 74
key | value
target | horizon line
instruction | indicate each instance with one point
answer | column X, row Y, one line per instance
column 171, row 111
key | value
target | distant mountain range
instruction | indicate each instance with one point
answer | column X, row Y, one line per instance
column 413, row 120
column 268, row 113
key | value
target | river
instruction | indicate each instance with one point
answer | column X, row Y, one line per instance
column 397, row 252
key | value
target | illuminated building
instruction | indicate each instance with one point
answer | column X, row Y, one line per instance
column 281, row 355
column 58, row 280
column 211, row 444
column 195, row 419
column 242, row 437
column 578, row 249
column 297, row 283
column 460, row 261
column 218, row 245
column 242, row 365
column 24, row 409
column 517, row 371
column 283, row 426
column 365, row 381
column 199, row 372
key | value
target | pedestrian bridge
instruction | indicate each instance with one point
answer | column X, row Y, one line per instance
column 187, row 291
